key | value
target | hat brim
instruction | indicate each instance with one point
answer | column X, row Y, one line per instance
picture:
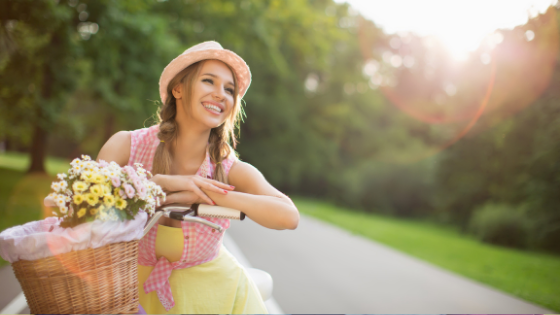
column 237, row 64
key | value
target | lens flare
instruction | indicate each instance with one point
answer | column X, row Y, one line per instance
column 508, row 71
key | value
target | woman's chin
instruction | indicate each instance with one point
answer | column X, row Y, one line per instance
column 211, row 124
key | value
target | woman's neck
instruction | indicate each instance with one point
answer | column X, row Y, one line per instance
column 190, row 150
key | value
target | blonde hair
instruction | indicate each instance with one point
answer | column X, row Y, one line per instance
column 220, row 137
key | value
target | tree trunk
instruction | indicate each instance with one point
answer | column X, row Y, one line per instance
column 39, row 142
column 38, row 149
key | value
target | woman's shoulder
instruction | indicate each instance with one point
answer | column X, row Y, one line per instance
column 112, row 150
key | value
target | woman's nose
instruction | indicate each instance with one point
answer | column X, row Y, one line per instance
column 218, row 94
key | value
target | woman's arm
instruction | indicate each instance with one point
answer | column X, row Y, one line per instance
column 259, row 200
column 117, row 149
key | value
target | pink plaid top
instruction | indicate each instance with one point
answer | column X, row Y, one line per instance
column 201, row 244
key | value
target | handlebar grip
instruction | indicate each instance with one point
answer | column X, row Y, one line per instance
column 217, row 212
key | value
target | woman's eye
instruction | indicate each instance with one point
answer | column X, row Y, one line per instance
column 208, row 80
column 230, row 91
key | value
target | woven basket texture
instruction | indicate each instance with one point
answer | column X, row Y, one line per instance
column 91, row 281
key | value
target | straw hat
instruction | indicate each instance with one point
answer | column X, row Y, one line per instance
column 204, row 51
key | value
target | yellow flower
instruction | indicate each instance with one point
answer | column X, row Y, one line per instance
column 78, row 199
column 97, row 190
column 98, row 178
column 87, row 176
column 79, row 186
column 107, row 189
column 120, row 204
column 116, row 192
column 82, row 212
column 92, row 199
column 109, row 200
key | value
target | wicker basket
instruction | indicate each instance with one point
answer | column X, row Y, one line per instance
column 101, row 280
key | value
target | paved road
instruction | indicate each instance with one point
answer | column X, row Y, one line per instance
column 319, row 268
column 9, row 288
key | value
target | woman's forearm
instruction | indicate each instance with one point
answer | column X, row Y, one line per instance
column 268, row 211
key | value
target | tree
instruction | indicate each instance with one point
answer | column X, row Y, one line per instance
column 39, row 70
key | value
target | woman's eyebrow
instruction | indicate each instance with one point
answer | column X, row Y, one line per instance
column 215, row 76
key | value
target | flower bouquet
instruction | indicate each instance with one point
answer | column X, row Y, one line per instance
column 84, row 258
column 103, row 191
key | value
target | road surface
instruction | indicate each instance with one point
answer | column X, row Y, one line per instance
column 319, row 268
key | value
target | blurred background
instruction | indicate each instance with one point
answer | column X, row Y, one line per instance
column 440, row 114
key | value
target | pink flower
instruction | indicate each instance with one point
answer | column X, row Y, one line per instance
column 129, row 190
column 102, row 163
column 137, row 183
column 130, row 172
column 142, row 192
column 116, row 181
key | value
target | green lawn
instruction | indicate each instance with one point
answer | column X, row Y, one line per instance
column 532, row 276
column 20, row 161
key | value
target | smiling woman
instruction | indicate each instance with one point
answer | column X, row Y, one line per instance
column 191, row 153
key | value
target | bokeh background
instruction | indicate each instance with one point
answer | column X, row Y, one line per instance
column 456, row 126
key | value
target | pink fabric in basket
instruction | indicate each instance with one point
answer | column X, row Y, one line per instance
column 202, row 243
column 45, row 238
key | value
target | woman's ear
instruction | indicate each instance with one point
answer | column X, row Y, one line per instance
column 178, row 91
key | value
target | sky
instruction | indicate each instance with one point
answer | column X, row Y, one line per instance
column 460, row 25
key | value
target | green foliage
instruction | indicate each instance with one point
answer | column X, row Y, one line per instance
column 500, row 224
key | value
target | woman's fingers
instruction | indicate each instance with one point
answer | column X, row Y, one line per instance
column 218, row 184
column 182, row 197
column 211, row 187
column 203, row 196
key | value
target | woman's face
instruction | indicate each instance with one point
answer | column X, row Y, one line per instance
column 212, row 95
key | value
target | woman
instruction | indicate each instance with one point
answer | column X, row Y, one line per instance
column 182, row 266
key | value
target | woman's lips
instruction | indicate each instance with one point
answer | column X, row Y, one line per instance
column 212, row 108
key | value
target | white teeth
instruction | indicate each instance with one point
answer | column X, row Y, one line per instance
column 213, row 108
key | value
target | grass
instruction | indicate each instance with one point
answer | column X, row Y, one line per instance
column 20, row 162
column 531, row 276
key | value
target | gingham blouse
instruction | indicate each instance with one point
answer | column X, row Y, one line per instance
column 201, row 244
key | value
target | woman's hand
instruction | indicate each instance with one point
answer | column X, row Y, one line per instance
column 187, row 189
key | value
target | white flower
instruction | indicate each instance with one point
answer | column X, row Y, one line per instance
column 55, row 186
column 61, row 176
column 88, row 165
column 63, row 209
column 63, row 185
column 75, row 161
column 86, row 157
column 61, row 202
column 77, row 168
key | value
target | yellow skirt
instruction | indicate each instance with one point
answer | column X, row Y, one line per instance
column 220, row 286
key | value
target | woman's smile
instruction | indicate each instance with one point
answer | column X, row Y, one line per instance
column 213, row 107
